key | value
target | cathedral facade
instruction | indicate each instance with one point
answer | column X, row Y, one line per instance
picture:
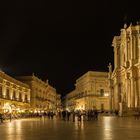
column 125, row 78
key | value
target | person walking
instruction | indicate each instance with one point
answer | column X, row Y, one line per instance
column 68, row 115
column 64, row 115
column 79, row 116
column 73, row 114
column 1, row 117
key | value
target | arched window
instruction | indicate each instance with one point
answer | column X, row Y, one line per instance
column 26, row 98
column 20, row 97
column 7, row 93
column 14, row 95
column 0, row 91
column 102, row 92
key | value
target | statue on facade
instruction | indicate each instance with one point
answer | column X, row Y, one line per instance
column 110, row 70
column 110, row 67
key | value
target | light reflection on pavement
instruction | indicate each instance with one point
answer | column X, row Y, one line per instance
column 106, row 128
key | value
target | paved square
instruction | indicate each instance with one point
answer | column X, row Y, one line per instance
column 105, row 128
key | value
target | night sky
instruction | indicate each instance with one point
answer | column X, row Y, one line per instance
column 61, row 40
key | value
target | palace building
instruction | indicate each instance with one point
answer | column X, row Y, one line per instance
column 125, row 78
column 43, row 96
column 14, row 95
column 91, row 92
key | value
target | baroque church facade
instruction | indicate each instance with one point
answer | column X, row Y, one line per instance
column 125, row 78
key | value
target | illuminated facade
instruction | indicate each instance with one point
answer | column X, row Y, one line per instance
column 43, row 96
column 126, row 74
column 58, row 102
column 70, row 101
column 91, row 91
column 14, row 95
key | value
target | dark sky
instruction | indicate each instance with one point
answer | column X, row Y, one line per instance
column 61, row 40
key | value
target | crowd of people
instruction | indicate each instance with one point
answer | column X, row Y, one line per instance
column 5, row 116
column 64, row 115
column 79, row 115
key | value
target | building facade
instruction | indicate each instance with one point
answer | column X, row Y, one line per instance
column 126, row 74
column 43, row 96
column 70, row 101
column 58, row 102
column 91, row 91
column 14, row 95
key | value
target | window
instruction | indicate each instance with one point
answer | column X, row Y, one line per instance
column 102, row 92
column 102, row 107
column 26, row 98
column 7, row 93
column 0, row 91
column 20, row 96
column 14, row 95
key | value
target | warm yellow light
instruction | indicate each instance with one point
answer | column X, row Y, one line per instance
column 22, row 111
column 106, row 94
column 7, row 108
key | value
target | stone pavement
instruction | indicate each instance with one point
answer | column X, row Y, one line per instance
column 105, row 128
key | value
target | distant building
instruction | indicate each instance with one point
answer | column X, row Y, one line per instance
column 58, row 102
column 91, row 92
column 126, row 73
column 14, row 95
column 70, row 101
column 43, row 96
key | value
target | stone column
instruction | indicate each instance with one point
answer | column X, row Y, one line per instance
column 138, row 53
column 126, row 50
column 11, row 92
column 110, row 85
column 110, row 99
column 134, row 46
column 131, row 48
column 118, row 57
column 132, row 93
column 115, row 57
column 23, row 96
column 3, row 90
column 116, row 97
column 137, row 47
column 28, row 95
column 17, row 94
column 126, row 90
column 113, row 106
column 136, row 93
column 129, row 93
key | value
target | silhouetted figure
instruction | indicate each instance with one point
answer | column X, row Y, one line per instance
column 51, row 115
column 79, row 116
column 10, row 117
column 73, row 116
column 1, row 118
column 64, row 115
column 96, row 114
column 68, row 115
column 116, row 112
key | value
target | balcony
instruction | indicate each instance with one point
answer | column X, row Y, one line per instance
column 86, row 95
column 44, row 100
column 5, row 97
column 14, row 99
column 26, row 101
